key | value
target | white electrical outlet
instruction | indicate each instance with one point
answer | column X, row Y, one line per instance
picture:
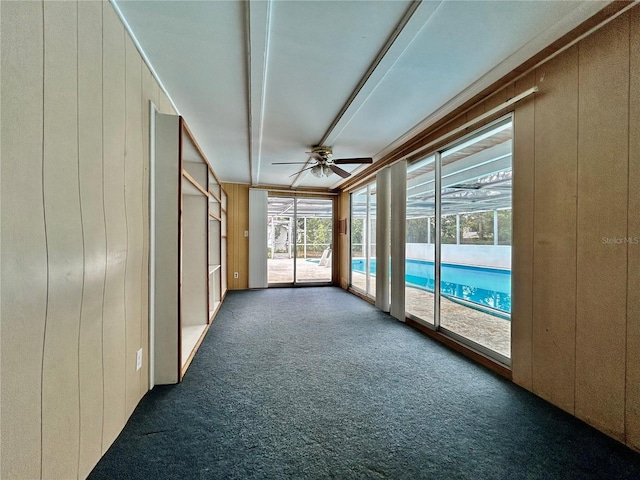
column 235, row 274
column 246, row 233
column 138, row 360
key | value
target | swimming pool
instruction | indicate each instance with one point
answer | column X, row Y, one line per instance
column 488, row 287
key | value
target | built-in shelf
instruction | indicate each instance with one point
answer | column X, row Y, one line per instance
column 191, row 337
column 188, row 258
column 190, row 186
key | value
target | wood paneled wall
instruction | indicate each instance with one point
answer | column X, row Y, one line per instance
column 237, row 243
column 344, row 241
column 74, row 247
column 578, row 253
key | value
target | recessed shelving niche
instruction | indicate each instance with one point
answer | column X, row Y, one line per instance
column 189, row 254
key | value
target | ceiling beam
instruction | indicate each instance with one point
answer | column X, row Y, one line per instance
column 258, row 18
column 415, row 19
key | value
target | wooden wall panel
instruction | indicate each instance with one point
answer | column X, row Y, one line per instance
column 522, row 254
column 149, row 93
column 114, row 323
column 602, row 213
column 554, row 269
column 60, row 394
column 344, row 246
column 133, row 187
column 633, row 233
column 94, row 240
column 23, row 252
column 237, row 243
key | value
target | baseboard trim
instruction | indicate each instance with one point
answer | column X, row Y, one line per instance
column 464, row 350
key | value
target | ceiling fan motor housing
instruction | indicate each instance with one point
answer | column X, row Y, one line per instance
column 324, row 152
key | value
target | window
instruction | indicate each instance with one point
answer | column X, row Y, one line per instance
column 363, row 240
column 459, row 230
column 299, row 240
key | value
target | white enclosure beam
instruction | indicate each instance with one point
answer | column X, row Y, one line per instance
column 398, row 238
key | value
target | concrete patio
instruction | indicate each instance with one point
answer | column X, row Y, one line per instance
column 280, row 270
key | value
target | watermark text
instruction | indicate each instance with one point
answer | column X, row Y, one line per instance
column 620, row 240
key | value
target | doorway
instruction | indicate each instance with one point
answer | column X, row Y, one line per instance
column 299, row 240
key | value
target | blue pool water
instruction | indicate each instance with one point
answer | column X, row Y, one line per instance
column 489, row 287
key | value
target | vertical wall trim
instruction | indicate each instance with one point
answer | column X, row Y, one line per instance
column 126, row 224
column 46, row 241
column 152, row 242
column 84, row 259
column 437, row 254
column 383, row 233
column 106, row 246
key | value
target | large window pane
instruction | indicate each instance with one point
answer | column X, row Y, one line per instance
column 359, row 238
column 420, row 244
column 314, row 236
column 280, row 238
column 299, row 240
column 371, row 289
column 476, row 236
column 363, row 238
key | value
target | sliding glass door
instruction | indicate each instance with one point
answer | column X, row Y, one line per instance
column 458, row 247
column 280, row 236
column 299, row 240
column 475, row 225
column 363, row 240
column 420, row 242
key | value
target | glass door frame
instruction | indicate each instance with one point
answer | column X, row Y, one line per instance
column 436, row 325
column 294, row 242
column 367, row 238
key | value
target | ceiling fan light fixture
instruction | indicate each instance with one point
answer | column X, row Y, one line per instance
column 321, row 170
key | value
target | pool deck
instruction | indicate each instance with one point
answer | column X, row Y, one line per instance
column 280, row 270
column 487, row 330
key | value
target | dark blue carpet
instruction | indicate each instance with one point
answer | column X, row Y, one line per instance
column 314, row 383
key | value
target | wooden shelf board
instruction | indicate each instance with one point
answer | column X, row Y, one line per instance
column 191, row 338
column 214, row 195
column 216, row 307
column 194, row 183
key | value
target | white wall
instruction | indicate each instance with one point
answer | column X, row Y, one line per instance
column 491, row 256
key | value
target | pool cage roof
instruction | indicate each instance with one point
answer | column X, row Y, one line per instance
column 476, row 177
column 307, row 207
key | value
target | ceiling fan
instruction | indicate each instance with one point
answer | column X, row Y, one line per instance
column 323, row 165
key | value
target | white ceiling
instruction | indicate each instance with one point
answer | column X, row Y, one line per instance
column 264, row 81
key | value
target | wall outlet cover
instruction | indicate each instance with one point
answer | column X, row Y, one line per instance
column 138, row 360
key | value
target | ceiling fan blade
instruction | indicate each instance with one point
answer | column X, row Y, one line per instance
column 315, row 155
column 346, row 161
column 300, row 171
column 288, row 163
column 339, row 171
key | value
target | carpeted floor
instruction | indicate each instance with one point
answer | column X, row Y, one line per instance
column 314, row 383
